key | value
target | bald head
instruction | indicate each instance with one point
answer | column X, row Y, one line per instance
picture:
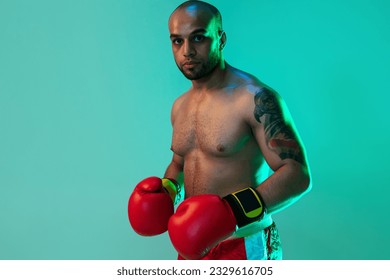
column 200, row 8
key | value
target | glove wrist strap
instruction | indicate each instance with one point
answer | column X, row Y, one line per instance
column 174, row 189
column 247, row 206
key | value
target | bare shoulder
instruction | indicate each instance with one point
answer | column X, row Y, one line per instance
column 177, row 104
column 242, row 78
column 251, row 91
column 248, row 84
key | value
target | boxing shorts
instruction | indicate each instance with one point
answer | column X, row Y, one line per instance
column 262, row 245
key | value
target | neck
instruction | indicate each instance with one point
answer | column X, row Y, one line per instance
column 215, row 79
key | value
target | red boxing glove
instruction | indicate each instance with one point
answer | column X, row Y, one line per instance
column 151, row 205
column 202, row 221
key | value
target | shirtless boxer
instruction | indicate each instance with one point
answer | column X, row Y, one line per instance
column 228, row 128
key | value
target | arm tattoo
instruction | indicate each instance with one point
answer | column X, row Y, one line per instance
column 280, row 136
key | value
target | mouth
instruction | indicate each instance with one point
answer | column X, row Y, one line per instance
column 190, row 64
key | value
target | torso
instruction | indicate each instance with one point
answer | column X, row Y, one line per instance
column 212, row 135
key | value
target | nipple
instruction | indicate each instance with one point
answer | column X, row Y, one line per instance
column 220, row 148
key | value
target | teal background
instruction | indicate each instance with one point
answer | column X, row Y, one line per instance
column 85, row 94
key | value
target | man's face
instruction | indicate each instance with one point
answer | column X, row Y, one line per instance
column 195, row 42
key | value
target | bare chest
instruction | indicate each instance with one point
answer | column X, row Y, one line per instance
column 214, row 128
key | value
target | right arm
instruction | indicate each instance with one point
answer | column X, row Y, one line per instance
column 176, row 166
column 175, row 169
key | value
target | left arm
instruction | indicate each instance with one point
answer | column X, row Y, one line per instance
column 283, row 150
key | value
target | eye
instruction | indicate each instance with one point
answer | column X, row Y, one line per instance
column 177, row 41
column 198, row 38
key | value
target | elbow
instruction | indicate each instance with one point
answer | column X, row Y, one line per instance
column 300, row 178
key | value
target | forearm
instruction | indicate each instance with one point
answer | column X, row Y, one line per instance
column 285, row 186
column 174, row 171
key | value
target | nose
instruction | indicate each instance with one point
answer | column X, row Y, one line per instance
column 188, row 49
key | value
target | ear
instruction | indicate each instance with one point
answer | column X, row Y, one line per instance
column 222, row 40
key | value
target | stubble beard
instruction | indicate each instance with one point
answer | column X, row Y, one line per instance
column 202, row 70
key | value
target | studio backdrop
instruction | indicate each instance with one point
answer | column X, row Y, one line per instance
column 86, row 89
